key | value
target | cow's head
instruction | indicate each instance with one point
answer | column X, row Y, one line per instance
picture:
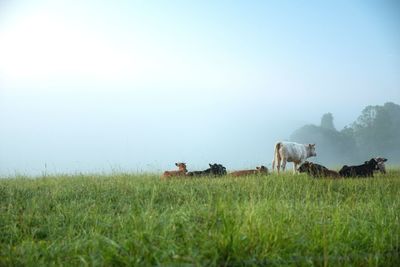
column 379, row 159
column 221, row 169
column 181, row 166
column 262, row 169
column 311, row 150
column 305, row 167
column 381, row 164
column 217, row 169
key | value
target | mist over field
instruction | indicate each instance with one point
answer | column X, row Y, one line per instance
column 98, row 99
column 138, row 86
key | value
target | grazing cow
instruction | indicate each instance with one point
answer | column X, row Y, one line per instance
column 365, row 170
column 259, row 170
column 180, row 172
column 215, row 170
column 381, row 164
column 317, row 170
column 292, row 152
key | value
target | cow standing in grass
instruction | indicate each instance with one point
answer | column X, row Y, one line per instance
column 180, row 172
column 291, row 152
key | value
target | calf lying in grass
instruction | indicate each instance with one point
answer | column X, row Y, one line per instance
column 214, row 170
column 180, row 172
column 259, row 170
column 317, row 170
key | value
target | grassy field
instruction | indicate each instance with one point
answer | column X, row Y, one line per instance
column 124, row 219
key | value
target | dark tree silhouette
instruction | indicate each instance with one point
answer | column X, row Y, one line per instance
column 376, row 132
column 327, row 121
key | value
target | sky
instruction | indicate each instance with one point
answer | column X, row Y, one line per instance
column 100, row 86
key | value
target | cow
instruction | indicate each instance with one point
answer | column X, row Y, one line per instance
column 219, row 170
column 365, row 170
column 317, row 170
column 291, row 152
column 180, row 172
column 214, row 170
column 259, row 170
column 381, row 164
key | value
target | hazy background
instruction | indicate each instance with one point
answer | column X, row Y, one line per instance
column 139, row 85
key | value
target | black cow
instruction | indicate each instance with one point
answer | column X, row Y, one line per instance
column 219, row 169
column 365, row 170
column 214, row 170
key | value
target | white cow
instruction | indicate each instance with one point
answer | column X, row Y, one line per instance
column 292, row 152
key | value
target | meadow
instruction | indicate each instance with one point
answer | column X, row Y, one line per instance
column 138, row 220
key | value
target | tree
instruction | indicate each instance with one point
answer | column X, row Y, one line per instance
column 377, row 131
column 327, row 122
column 332, row 147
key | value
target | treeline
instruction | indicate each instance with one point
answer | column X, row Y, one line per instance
column 376, row 132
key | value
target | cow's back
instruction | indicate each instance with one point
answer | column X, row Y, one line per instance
column 292, row 151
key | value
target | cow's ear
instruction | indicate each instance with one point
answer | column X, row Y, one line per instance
column 384, row 160
column 210, row 164
column 258, row 168
column 176, row 164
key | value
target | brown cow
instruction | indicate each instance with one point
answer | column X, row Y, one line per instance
column 317, row 170
column 180, row 172
column 259, row 170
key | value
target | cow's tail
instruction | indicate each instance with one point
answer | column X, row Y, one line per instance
column 276, row 155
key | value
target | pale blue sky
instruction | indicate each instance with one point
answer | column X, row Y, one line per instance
column 139, row 85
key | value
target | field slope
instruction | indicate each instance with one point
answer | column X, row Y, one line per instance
column 138, row 220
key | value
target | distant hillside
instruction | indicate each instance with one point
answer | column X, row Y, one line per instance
column 376, row 132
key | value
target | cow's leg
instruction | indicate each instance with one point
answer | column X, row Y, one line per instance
column 284, row 164
column 278, row 165
column 294, row 167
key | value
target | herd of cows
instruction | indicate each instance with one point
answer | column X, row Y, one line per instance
column 289, row 152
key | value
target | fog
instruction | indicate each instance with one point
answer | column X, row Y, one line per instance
column 101, row 87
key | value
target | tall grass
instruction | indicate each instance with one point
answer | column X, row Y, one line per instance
column 124, row 219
